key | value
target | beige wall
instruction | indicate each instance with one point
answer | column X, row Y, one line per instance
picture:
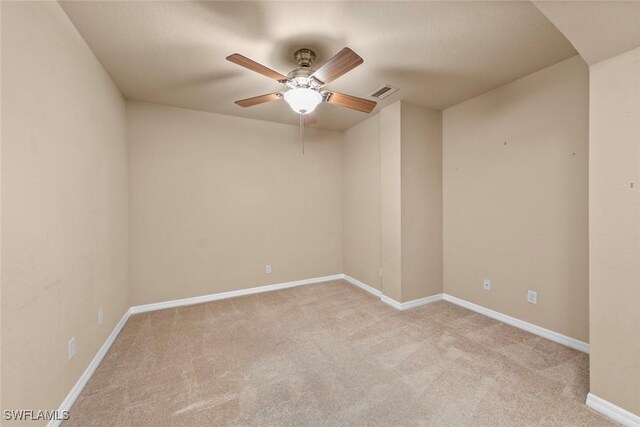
column 421, row 202
column 1, row 407
column 515, row 198
column 614, row 230
column 216, row 198
column 391, row 200
column 64, row 205
column 361, row 201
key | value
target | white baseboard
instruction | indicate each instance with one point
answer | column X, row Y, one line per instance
column 86, row 375
column 390, row 301
column 231, row 294
column 393, row 303
column 411, row 304
column 612, row 411
column 529, row 327
column 373, row 291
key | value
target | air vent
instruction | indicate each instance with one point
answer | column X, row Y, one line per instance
column 383, row 92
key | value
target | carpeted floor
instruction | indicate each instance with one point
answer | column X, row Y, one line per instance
column 331, row 354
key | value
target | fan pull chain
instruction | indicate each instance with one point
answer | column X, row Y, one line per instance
column 302, row 132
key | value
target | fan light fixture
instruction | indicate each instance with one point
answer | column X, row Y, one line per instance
column 303, row 100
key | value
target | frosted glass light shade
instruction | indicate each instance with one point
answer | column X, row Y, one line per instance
column 303, row 100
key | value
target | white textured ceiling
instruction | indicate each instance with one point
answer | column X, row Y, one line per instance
column 437, row 53
column 597, row 29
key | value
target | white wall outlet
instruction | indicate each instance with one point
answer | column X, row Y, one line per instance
column 486, row 285
column 267, row 268
column 532, row 297
column 100, row 317
column 72, row 347
column 380, row 272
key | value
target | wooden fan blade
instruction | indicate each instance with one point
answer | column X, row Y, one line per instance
column 259, row 99
column 341, row 63
column 310, row 119
column 353, row 102
column 243, row 61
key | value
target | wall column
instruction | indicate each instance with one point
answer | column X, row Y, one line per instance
column 614, row 230
column 411, row 201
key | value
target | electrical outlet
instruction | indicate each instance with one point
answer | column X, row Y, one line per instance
column 380, row 273
column 72, row 347
column 267, row 268
column 100, row 317
column 532, row 297
column 486, row 285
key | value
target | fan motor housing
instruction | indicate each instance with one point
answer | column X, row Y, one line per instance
column 301, row 76
column 304, row 57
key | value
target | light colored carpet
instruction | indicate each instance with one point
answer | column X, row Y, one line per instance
column 330, row 354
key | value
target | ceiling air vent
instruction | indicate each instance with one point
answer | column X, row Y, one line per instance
column 383, row 92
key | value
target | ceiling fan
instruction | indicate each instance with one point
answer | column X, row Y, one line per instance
column 305, row 85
